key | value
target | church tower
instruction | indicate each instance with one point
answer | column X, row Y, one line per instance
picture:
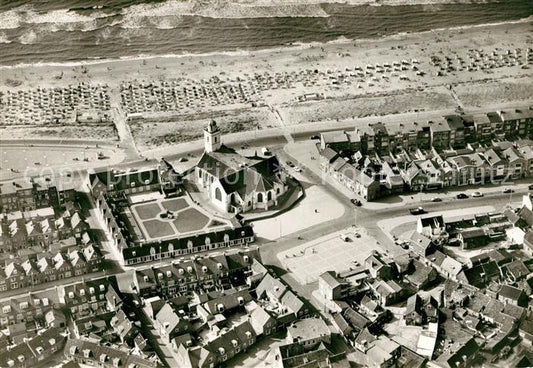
column 212, row 137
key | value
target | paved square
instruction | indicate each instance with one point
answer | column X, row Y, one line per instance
column 330, row 253
column 317, row 207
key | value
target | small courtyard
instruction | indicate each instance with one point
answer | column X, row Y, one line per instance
column 174, row 217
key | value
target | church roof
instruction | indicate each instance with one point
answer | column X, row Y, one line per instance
column 225, row 162
column 241, row 174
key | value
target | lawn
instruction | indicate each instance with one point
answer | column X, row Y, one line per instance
column 158, row 229
column 175, row 204
column 148, row 211
column 190, row 220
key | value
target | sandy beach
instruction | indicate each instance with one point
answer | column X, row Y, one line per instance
column 335, row 71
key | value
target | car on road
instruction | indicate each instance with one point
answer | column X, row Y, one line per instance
column 356, row 202
column 417, row 211
column 530, row 187
column 266, row 151
column 436, row 199
column 508, row 190
column 477, row 194
column 402, row 243
column 461, row 196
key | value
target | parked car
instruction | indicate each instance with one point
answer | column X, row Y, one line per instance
column 266, row 151
column 315, row 137
column 290, row 164
column 436, row 199
column 530, row 187
column 417, row 211
column 297, row 169
column 508, row 190
column 461, row 196
column 356, row 202
column 477, row 194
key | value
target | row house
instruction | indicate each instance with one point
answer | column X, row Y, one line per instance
column 516, row 163
column 180, row 277
column 374, row 138
column 333, row 287
column 86, row 298
column 170, row 324
column 360, row 182
column 423, row 136
column 13, row 235
column 285, row 303
column 393, row 178
column 496, row 124
column 484, row 131
column 34, row 351
column 464, row 169
column 239, row 236
column 25, row 308
column 516, row 122
column 108, row 213
column 132, row 181
column 444, row 132
column 93, row 354
column 12, row 276
column 403, row 136
column 462, row 130
column 433, row 175
column 34, row 193
column 224, row 302
column 372, row 176
column 340, row 140
column 527, row 153
column 39, row 269
column 498, row 166
column 440, row 134
column 414, row 177
column 22, row 231
column 215, row 352
column 207, row 273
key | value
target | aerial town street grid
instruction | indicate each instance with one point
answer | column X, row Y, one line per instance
column 361, row 203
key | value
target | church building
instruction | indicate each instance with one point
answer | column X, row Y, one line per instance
column 235, row 183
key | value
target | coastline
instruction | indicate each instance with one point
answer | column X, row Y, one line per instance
column 283, row 111
column 228, row 9
column 259, row 51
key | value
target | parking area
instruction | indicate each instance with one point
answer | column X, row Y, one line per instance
column 329, row 253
